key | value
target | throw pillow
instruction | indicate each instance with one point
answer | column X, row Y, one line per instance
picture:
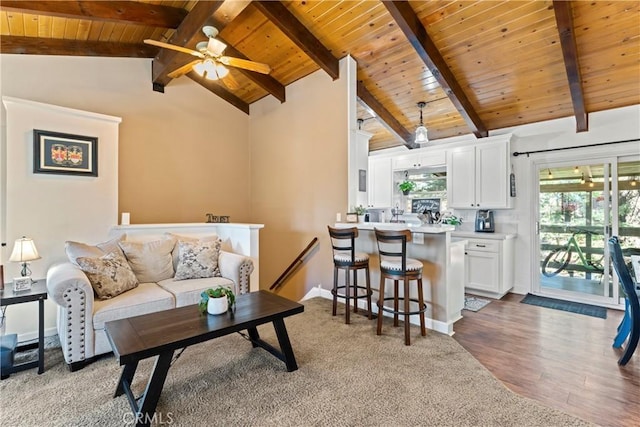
column 110, row 275
column 179, row 238
column 150, row 261
column 198, row 260
column 77, row 249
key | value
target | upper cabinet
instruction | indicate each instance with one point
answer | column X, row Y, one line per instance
column 419, row 160
column 478, row 176
column 380, row 182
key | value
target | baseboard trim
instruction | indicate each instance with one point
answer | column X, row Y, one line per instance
column 32, row 336
column 436, row 325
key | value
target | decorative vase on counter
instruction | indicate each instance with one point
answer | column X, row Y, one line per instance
column 360, row 218
column 217, row 305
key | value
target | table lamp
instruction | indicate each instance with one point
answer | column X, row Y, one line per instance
column 24, row 250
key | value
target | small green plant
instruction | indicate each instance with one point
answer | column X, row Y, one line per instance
column 406, row 186
column 219, row 292
column 452, row 220
column 360, row 210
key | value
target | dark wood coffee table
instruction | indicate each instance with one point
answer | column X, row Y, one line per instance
column 160, row 334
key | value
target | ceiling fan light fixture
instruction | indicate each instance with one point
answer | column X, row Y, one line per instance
column 215, row 47
column 421, row 131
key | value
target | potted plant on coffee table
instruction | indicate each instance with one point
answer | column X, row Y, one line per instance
column 216, row 300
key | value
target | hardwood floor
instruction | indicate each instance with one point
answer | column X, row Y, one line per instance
column 563, row 360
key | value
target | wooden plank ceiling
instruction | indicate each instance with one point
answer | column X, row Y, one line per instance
column 478, row 65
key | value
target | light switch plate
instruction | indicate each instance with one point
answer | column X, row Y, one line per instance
column 418, row 238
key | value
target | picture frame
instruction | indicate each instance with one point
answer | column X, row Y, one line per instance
column 64, row 153
column 352, row 217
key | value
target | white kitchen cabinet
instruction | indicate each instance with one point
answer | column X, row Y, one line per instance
column 478, row 176
column 380, row 182
column 489, row 266
column 419, row 160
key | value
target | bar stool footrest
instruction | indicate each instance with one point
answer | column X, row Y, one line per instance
column 391, row 310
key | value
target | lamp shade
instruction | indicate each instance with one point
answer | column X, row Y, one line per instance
column 421, row 135
column 24, row 250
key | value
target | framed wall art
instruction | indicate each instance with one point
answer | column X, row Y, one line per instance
column 63, row 153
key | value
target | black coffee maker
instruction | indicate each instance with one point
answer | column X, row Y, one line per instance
column 485, row 222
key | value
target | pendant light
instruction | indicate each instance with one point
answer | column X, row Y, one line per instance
column 421, row 131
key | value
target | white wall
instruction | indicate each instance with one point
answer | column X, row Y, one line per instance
column 299, row 175
column 53, row 208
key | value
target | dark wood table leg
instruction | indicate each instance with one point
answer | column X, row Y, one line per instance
column 154, row 388
column 40, row 336
column 128, row 372
column 285, row 344
column 254, row 335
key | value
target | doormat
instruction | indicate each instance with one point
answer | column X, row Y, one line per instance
column 570, row 306
column 474, row 304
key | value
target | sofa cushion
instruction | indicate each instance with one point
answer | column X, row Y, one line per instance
column 77, row 249
column 197, row 260
column 187, row 292
column 144, row 299
column 180, row 238
column 109, row 275
column 150, row 261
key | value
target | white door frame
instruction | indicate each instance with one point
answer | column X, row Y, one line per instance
column 611, row 301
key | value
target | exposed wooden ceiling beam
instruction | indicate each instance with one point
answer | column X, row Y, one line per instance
column 121, row 11
column 376, row 109
column 41, row 46
column 220, row 91
column 564, row 19
column 265, row 81
column 413, row 29
column 278, row 13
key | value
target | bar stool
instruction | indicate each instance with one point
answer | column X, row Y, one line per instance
column 394, row 265
column 346, row 258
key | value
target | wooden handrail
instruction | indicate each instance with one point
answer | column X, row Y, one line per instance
column 295, row 264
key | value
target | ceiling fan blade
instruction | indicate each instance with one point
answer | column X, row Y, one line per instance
column 174, row 47
column 182, row 70
column 246, row 64
column 230, row 82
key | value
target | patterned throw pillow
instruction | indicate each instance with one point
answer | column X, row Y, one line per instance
column 198, row 260
column 75, row 250
column 110, row 275
column 192, row 239
column 150, row 261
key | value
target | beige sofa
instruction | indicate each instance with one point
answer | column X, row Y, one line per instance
column 82, row 315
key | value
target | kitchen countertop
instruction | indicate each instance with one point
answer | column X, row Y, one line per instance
column 414, row 227
column 481, row 235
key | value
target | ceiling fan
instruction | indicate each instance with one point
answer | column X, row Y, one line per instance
column 211, row 62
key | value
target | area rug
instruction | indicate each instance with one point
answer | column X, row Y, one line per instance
column 474, row 303
column 570, row 306
column 347, row 376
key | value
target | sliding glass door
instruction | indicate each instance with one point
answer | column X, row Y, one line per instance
column 580, row 205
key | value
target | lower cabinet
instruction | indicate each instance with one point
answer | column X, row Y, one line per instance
column 489, row 266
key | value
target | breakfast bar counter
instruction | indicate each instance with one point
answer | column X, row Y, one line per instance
column 443, row 272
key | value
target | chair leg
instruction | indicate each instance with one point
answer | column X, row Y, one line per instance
column 395, row 303
column 368, row 282
column 407, row 323
column 421, row 307
column 380, row 304
column 631, row 344
column 355, row 290
column 335, row 289
column 347, row 298
column 624, row 327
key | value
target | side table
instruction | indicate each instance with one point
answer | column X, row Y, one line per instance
column 38, row 292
